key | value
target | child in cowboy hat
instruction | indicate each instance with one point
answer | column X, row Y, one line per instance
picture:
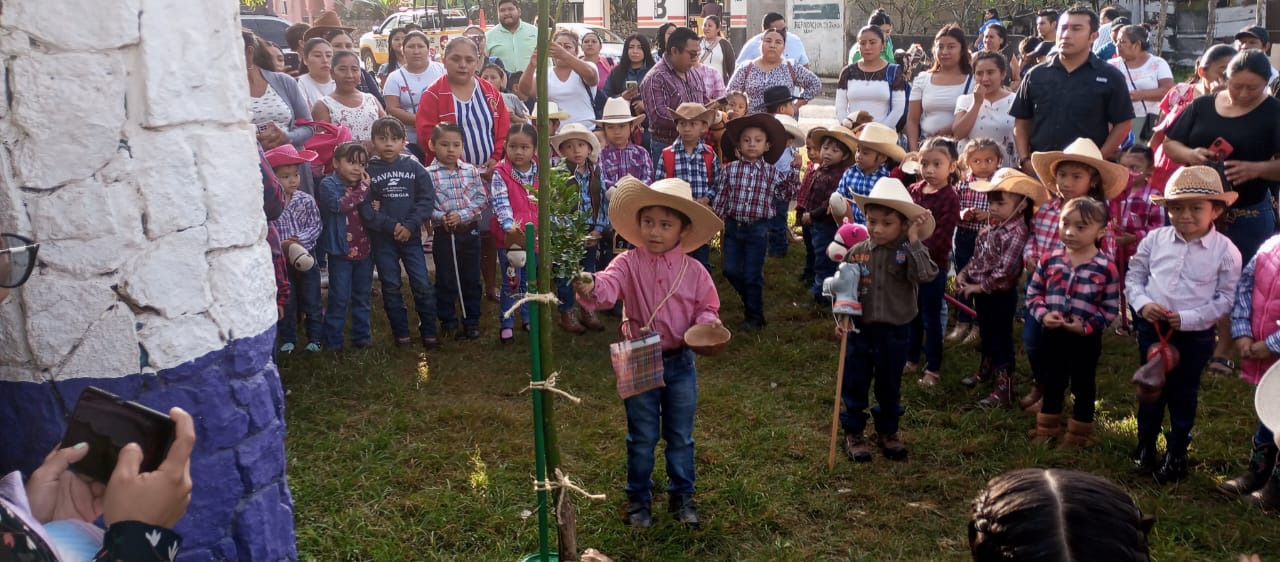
column 877, row 152
column 1079, row 170
column 1254, row 320
column 661, row 284
column 834, row 155
column 1181, row 281
column 580, row 151
column 894, row 262
column 749, row 187
column 693, row 160
column 991, row 277
column 299, row 222
column 620, row 157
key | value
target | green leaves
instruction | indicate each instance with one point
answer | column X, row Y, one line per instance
column 564, row 244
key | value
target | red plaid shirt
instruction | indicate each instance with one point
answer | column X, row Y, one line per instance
column 945, row 204
column 1045, row 234
column 748, row 190
column 995, row 265
column 1090, row 292
column 822, row 183
column 1132, row 212
column 970, row 199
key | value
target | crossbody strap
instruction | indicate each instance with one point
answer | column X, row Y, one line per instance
column 626, row 321
column 1134, row 84
column 409, row 89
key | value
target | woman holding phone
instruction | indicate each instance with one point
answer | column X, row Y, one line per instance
column 624, row 80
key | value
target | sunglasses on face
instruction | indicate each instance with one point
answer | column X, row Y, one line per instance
column 17, row 259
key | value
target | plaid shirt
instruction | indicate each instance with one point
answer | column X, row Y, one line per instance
column 598, row 221
column 501, row 194
column 692, row 167
column 995, row 265
column 1045, row 234
column 970, row 199
column 1134, row 213
column 301, row 220
column 857, row 181
column 749, row 189
column 1090, row 292
column 616, row 163
column 822, row 182
column 459, row 191
column 662, row 91
column 945, row 205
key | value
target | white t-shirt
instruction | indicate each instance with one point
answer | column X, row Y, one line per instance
column 938, row 103
column 313, row 91
column 1145, row 77
column 408, row 86
column 713, row 56
column 994, row 122
column 573, row 96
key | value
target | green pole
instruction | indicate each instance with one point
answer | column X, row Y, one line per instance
column 539, row 437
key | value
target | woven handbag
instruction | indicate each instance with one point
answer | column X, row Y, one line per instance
column 637, row 359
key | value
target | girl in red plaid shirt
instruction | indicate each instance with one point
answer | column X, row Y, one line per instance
column 940, row 170
column 1133, row 214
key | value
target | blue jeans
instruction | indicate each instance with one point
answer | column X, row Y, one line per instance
column 878, row 352
column 810, row 253
column 451, row 270
column 350, row 285
column 655, row 152
column 1181, row 391
column 927, row 328
column 387, row 257
column 666, row 412
column 778, row 239
column 1248, row 227
column 1031, row 331
column 703, row 255
column 1069, row 360
column 590, row 263
column 821, row 233
column 966, row 241
column 511, row 287
column 744, row 246
column 304, row 296
column 995, row 325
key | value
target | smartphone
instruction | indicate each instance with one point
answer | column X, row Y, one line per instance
column 107, row 423
column 292, row 61
column 1221, row 149
column 632, row 84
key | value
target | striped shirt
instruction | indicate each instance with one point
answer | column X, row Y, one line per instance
column 300, row 220
column 1089, row 292
column 856, row 181
column 477, row 122
column 501, row 198
column 692, row 167
column 749, row 189
column 459, row 190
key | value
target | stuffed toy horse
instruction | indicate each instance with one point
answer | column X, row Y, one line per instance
column 842, row 287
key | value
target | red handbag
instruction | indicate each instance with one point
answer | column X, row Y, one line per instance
column 1149, row 379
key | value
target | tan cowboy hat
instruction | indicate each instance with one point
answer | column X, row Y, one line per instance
column 880, row 138
column 617, row 111
column 773, row 130
column 328, row 21
column 553, row 112
column 891, row 193
column 1266, row 399
column 1014, row 181
column 1194, row 183
column 792, row 126
column 1114, row 176
column 840, row 134
column 694, row 112
column 630, row 195
column 580, row 132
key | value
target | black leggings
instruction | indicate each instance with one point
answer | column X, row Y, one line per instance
column 1068, row 360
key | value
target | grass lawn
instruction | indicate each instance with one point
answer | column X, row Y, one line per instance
column 400, row 455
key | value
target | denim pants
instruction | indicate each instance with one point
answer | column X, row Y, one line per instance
column 451, row 270
column 1248, row 227
column 655, row 152
column 878, row 352
column 703, row 255
column 995, row 325
column 966, row 241
column 744, row 247
column 388, row 255
column 512, row 286
column 821, row 234
column 929, row 324
column 1181, row 388
column 778, row 239
column 810, row 253
column 1031, row 332
column 590, row 264
column 304, row 297
column 1069, row 360
column 665, row 412
column 350, row 286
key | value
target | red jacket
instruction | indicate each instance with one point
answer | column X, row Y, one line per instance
column 437, row 107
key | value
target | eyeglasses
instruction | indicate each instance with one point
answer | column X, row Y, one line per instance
column 17, row 259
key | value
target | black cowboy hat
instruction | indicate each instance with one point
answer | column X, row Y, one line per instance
column 774, row 95
column 778, row 136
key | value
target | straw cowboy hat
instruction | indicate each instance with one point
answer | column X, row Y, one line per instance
column 1266, row 399
column 287, row 155
column 1114, row 176
column 840, row 134
column 890, row 193
column 1195, row 183
column 694, row 112
column 617, row 111
column 553, row 112
column 773, row 130
column 880, row 138
column 328, row 21
column 630, row 195
column 580, row 132
column 1014, row 181
column 791, row 125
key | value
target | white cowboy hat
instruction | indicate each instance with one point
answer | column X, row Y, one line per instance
column 1014, row 181
column 792, row 126
column 630, row 195
column 580, row 132
column 1266, row 399
column 1114, row 176
column 617, row 111
column 553, row 112
column 1195, row 182
column 890, row 193
column 880, row 138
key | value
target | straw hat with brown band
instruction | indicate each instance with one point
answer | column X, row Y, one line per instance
column 691, row 111
column 880, row 138
column 580, row 132
column 1014, row 181
column 630, row 195
column 328, row 21
column 1114, row 176
column 1195, row 183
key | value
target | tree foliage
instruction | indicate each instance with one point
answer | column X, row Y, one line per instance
column 924, row 17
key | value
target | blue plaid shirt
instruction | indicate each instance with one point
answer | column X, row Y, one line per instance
column 501, row 198
column 600, row 221
column 692, row 167
column 617, row 163
column 1242, row 311
column 459, row 191
column 856, row 181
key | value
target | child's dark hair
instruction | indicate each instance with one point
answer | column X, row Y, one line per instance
column 1055, row 514
column 949, row 146
column 523, row 129
column 979, row 144
column 884, row 209
column 444, row 128
column 1095, row 178
column 496, row 68
column 1092, row 211
column 844, row 149
column 1028, row 210
column 685, row 221
column 387, row 127
column 351, row 151
column 1137, row 150
column 773, row 109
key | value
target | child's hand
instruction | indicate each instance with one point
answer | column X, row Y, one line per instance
column 843, row 327
column 584, row 284
column 1052, row 320
column 452, row 219
column 401, row 234
column 364, row 180
column 1259, row 350
column 1152, row 313
column 1173, row 318
column 916, row 224
column 1073, row 325
column 971, row 289
column 1244, row 346
column 705, row 201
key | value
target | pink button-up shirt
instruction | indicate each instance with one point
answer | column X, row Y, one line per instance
column 642, row 280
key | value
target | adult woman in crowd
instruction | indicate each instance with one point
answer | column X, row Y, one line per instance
column 317, row 83
column 984, row 113
column 572, row 82
column 994, row 39
column 591, row 45
column 404, row 87
column 1148, row 76
column 340, row 40
column 1245, row 117
column 637, row 59
column 934, row 92
column 267, row 56
column 880, row 20
column 1209, row 78
column 347, row 105
column 395, row 54
column 770, row 69
column 717, row 52
column 660, row 39
column 871, row 84
column 276, row 103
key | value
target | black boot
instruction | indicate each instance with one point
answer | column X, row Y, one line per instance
column 1261, row 463
column 1268, row 498
column 1002, row 395
column 683, row 509
column 983, row 374
column 1174, row 468
column 639, row 514
column 1145, row 457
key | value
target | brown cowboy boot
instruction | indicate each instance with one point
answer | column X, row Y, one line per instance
column 1048, row 427
column 1261, row 463
column 1026, row 402
column 569, row 322
column 1079, row 435
column 589, row 319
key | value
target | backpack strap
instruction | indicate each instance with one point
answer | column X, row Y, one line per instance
column 708, row 156
column 968, row 81
column 669, row 161
column 890, row 76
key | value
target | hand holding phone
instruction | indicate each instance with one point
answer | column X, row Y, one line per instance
column 632, row 84
column 158, row 497
column 107, row 423
column 1221, row 149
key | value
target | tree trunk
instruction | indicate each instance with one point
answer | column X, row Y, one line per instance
column 1160, row 26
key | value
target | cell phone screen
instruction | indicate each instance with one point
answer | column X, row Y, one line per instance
column 107, row 423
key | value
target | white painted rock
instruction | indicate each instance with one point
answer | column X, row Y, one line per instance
column 229, row 168
column 170, row 342
column 76, row 25
column 171, row 191
column 185, row 70
column 59, row 310
column 171, row 276
column 108, row 349
column 245, row 282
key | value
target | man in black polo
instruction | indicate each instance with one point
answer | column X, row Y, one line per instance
column 1073, row 94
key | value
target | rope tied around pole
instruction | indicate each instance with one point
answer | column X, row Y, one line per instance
column 544, row 298
column 549, row 385
column 563, row 482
